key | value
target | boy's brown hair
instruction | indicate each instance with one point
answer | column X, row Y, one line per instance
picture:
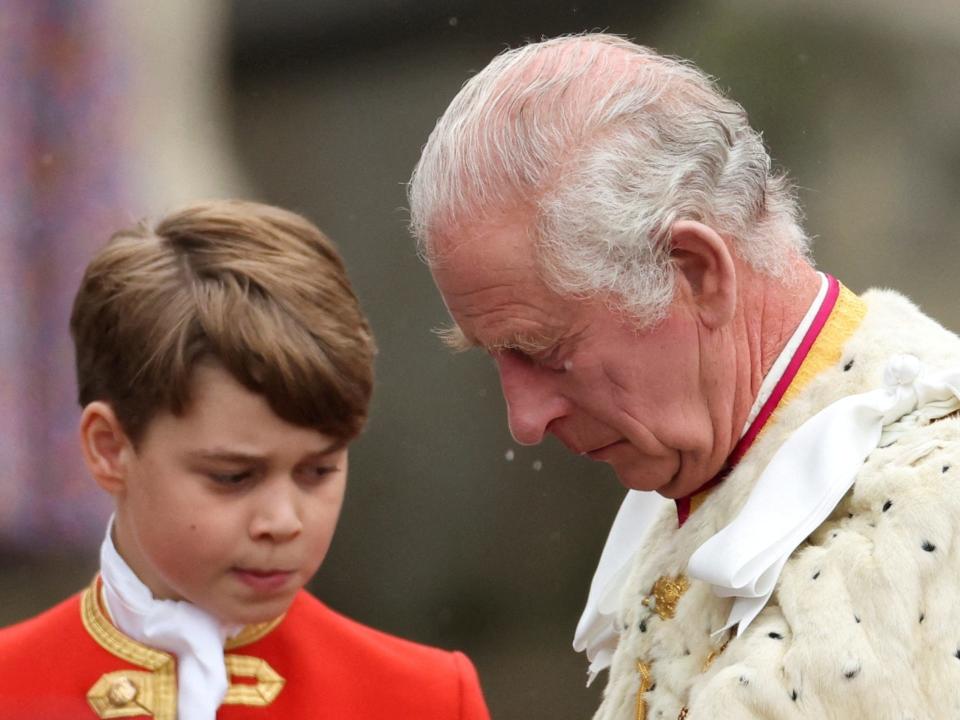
column 257, row 289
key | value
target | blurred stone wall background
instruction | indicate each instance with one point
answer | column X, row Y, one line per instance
column 323, row 107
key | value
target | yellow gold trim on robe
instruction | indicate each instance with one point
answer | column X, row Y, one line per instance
column 156, row 691
column 269, row 682
column 646, row 682
column 715, row 653
column 697, row 500
column 827, row 349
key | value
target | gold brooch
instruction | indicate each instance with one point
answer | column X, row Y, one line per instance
column 665, row 595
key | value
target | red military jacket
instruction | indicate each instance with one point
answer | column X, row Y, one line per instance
column 71, row 663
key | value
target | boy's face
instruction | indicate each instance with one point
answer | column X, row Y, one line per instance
column 229, row 506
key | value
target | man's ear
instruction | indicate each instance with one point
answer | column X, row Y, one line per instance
column 106, row 449
column 706, row 268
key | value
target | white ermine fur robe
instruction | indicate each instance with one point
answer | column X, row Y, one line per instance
column 865, row 621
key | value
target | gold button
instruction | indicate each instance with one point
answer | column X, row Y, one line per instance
column 122, row 692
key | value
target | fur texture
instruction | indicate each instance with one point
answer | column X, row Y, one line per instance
column 864, row 623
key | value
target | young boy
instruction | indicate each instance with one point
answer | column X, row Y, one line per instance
column 224, row 366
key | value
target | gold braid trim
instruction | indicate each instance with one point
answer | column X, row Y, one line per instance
column 153, row 692
column 269, row 682
column 646, row 682
column 127, row 693
column 252, row 633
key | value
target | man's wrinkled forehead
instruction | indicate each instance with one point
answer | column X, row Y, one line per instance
column 484, row 277
column 475, row 266
column 505, row 236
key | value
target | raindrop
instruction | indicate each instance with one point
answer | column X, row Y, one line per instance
column 538, row 465
column 453, row 21
column 508, row 455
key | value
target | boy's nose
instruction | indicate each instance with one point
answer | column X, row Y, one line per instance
column 277, row 515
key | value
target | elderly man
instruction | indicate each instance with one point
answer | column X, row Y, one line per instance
column 606, row 224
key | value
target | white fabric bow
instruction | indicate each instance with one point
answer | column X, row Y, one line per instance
column 809, row 475
column 175, row 626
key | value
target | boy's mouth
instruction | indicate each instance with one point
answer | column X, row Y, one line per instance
column 263, row 580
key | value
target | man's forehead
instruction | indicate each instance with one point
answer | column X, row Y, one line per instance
column 486, row 260
column 523, row 316
column 508, row 238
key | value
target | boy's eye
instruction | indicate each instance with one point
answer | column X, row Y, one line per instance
column 316, row 473
column 231, row 478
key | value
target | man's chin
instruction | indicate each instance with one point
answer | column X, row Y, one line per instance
column 644, row 481
column 644, row 475
column 678, row 485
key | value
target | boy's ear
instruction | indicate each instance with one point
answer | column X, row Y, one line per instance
column 106, row 448
column 707, row 269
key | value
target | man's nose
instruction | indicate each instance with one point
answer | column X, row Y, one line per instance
column 277, row 514
column 532, row 398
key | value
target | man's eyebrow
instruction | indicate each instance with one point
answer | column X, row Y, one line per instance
column 525, row 343
column 454, row 338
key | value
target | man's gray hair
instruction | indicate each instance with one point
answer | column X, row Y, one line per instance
column 606, row 144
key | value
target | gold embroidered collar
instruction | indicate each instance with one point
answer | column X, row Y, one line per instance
column 153, row 691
